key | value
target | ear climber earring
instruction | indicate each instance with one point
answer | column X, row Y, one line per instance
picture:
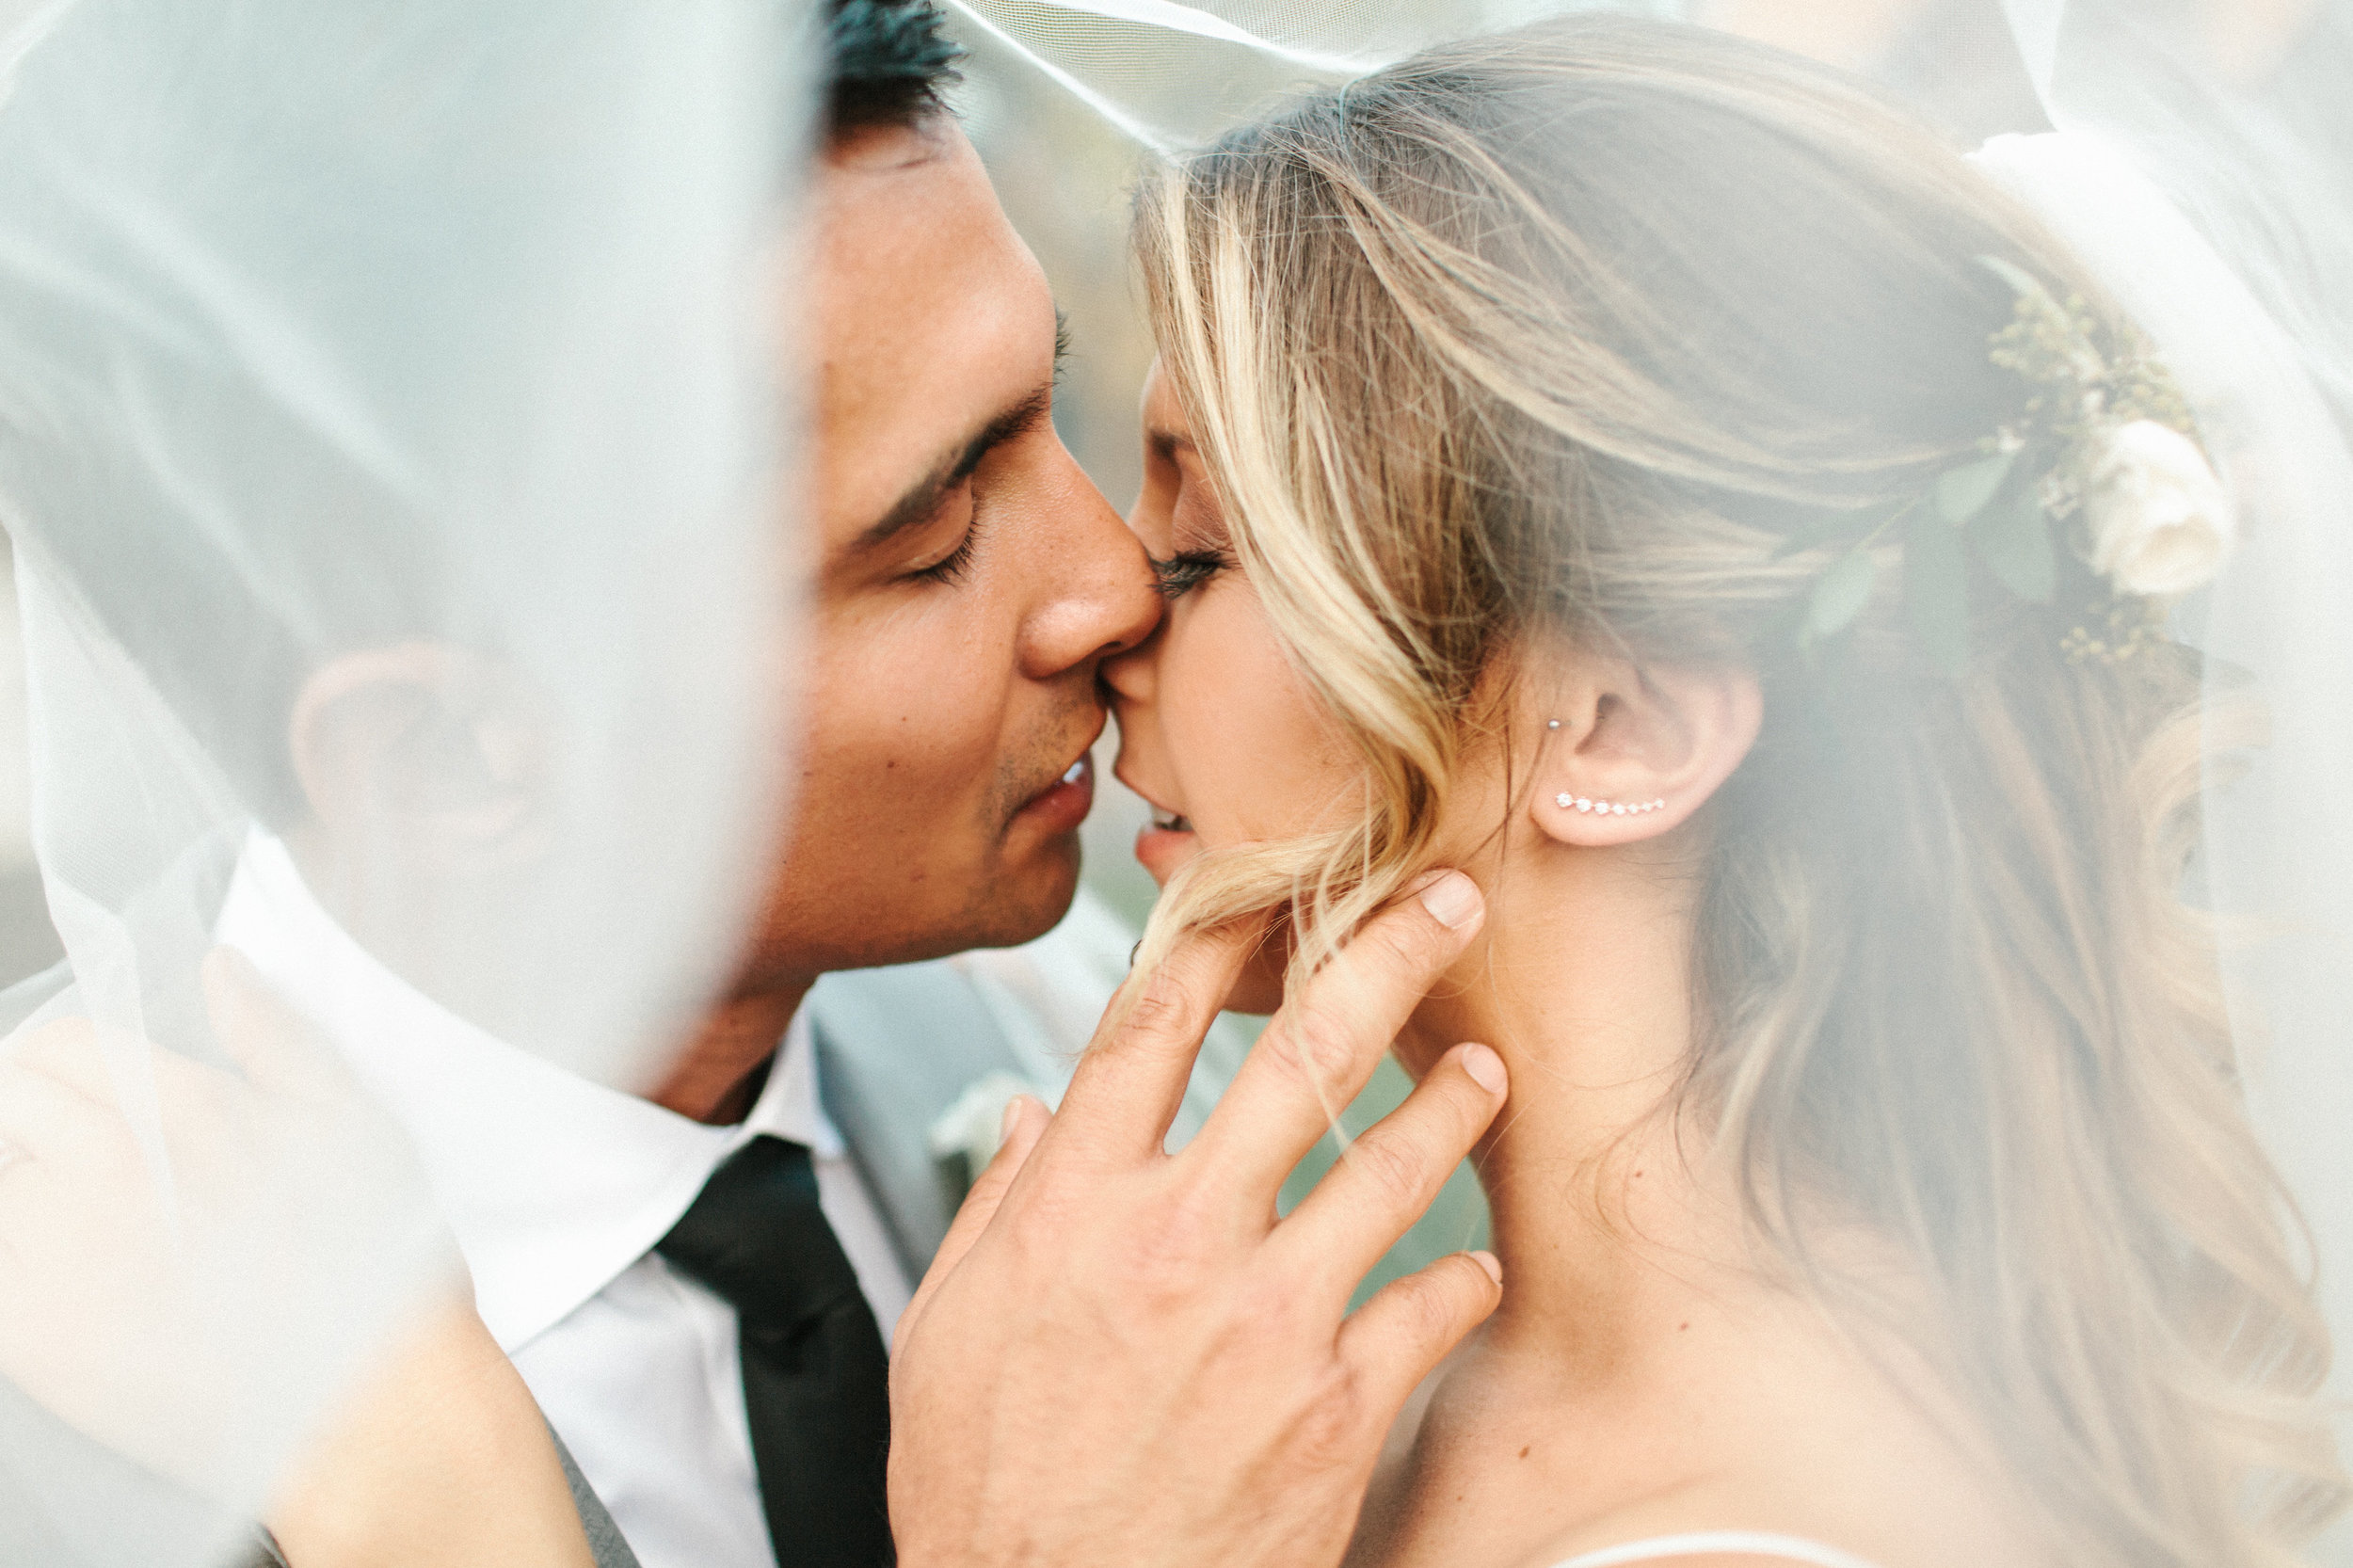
column 1607, row 807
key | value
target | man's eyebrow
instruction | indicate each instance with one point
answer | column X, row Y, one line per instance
column 923, row 497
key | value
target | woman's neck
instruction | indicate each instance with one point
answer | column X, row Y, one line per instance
column 1583, row 984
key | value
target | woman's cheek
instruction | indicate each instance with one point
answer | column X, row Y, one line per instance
column 1252, row 746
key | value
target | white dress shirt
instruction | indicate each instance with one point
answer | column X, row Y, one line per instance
column 557, row 1188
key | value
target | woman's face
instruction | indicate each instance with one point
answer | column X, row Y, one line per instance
column 1217, row 729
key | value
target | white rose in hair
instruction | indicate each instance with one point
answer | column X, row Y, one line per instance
column 2160, row 523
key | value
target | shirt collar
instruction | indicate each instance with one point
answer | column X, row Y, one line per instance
column 552, row 1184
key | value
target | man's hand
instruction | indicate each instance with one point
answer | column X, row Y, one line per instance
column 439, row 1457
column 206, row 1296
column 1121, row 1356
column 193, row 1259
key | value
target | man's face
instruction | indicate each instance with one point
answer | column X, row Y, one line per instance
column 970, row 580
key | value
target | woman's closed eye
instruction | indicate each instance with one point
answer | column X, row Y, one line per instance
column 1187, row 570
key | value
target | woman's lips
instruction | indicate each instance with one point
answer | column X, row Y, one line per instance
column 1166, row 843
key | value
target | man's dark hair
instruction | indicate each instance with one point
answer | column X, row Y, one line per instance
column 887, row 61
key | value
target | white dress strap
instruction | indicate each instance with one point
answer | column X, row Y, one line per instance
column 1790, row 1548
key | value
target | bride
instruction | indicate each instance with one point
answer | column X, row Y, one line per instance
column 1559, row 461
column 1644, row 471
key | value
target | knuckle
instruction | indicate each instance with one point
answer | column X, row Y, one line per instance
column 1330, row 1429
column 1397, row 1175
column 1272, row 1326
column 1434, row 1315
column 1157, row 1258
column 1460, row 1104
column 1427, row 1310
column 1164, row 1265
column 1316, row 1040
column 1409, row 938
column 1048, row 1222
column 1158, row 1010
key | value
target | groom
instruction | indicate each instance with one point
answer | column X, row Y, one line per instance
column 1110, row 1361
column 971, row 579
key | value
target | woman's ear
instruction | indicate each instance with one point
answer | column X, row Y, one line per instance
column 427, row 752
column 1627, row 752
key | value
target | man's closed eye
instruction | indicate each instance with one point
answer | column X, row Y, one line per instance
column 952, row 566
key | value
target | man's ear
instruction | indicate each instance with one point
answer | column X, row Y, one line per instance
column 1628, row 752
column 425, row 751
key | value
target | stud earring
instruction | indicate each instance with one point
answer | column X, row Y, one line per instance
column 1552, row 723
column 1607, row 807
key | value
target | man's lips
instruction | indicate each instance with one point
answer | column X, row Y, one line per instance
column 1062, row 805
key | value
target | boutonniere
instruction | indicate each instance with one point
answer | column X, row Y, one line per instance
column 970, row 1128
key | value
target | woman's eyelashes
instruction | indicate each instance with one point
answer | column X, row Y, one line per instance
column 1187, row 570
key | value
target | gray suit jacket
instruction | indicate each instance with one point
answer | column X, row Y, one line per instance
column 896, row 1048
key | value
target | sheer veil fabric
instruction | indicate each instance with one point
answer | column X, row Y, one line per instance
column 410, row 372
column 2211, row 192
column 408, row 368
column 2224, row 220
column 2223, row 228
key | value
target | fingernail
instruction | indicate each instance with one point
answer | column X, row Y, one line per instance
column 1490, row 1262
column 1013, row 1119
column 1453, row 900
column 1486, row 1069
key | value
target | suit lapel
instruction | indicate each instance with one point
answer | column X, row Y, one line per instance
column 895, row 1049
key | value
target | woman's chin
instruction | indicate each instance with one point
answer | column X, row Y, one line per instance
column 1164, row 852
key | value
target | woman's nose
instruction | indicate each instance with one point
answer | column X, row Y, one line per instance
column 1130, row 675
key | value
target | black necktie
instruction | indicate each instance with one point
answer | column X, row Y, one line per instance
column 816, row 1380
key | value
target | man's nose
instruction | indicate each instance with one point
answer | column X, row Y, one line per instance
column 1104, row 600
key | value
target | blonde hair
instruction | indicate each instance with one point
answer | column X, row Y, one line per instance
column 1561, row 336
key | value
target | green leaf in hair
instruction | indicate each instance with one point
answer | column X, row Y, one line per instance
column 2013, row 539
column 1839, row 595
column 1936, row 591
column 1962, row 492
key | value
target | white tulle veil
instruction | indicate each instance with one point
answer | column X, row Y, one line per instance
column 2225, row 230
column 327, row 330
column 437, row 333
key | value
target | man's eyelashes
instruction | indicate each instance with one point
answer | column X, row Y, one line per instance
column 950, row 567
column 1187, row 570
